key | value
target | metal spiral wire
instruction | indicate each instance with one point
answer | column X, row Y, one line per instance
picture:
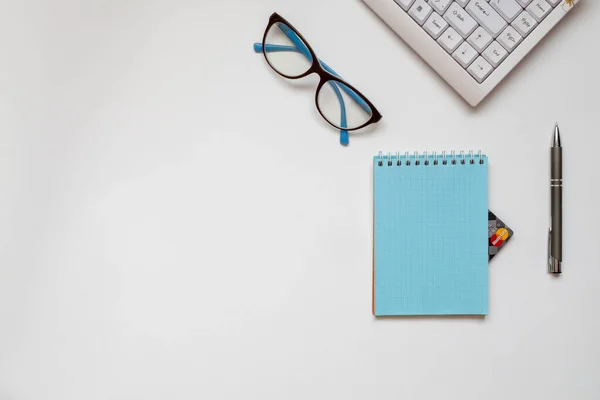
column 433, row 158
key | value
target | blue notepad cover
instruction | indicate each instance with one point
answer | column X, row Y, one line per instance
column 430, row 237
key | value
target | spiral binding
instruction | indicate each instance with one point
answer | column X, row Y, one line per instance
column 435, row 159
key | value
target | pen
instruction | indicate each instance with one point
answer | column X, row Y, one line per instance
column 556, row 184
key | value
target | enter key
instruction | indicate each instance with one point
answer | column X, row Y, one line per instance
column 487, row 17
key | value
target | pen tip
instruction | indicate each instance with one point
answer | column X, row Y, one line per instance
column 556, row 137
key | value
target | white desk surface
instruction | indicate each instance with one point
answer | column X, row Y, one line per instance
column 177, row 222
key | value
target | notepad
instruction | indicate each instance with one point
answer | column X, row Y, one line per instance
column 430, row 234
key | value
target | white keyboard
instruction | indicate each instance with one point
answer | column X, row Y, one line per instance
column 472, row 44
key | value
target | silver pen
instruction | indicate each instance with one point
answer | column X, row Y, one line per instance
column 556, row 184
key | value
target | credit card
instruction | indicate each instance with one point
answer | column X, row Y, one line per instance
column 498, row 233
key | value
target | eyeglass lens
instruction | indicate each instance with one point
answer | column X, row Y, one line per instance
column 286, row 52
column 342, row 106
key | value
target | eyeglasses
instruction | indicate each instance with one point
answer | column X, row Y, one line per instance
column 338, row 102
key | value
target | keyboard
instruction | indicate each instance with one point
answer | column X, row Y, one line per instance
column 472, row 44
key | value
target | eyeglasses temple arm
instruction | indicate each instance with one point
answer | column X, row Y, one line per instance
column 344, row 139
column 258, row 48
column 296, row 40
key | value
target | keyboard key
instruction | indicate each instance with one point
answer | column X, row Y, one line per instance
column 460, row 20
column 405, row 4
column 480, row 69
column 495, row 54
column 480, row 39
column 465, row 54
column 440, row 5
column 524, row 23
column 539, row 9
column 554, row 3
column 462, row 3
column 524, row 3
column 486, row 16
column 420, row 11
column 435, row 25
column 509, row 9
column 510, row 38
column 450, row 40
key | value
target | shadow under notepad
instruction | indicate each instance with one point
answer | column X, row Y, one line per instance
column 476, row 318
